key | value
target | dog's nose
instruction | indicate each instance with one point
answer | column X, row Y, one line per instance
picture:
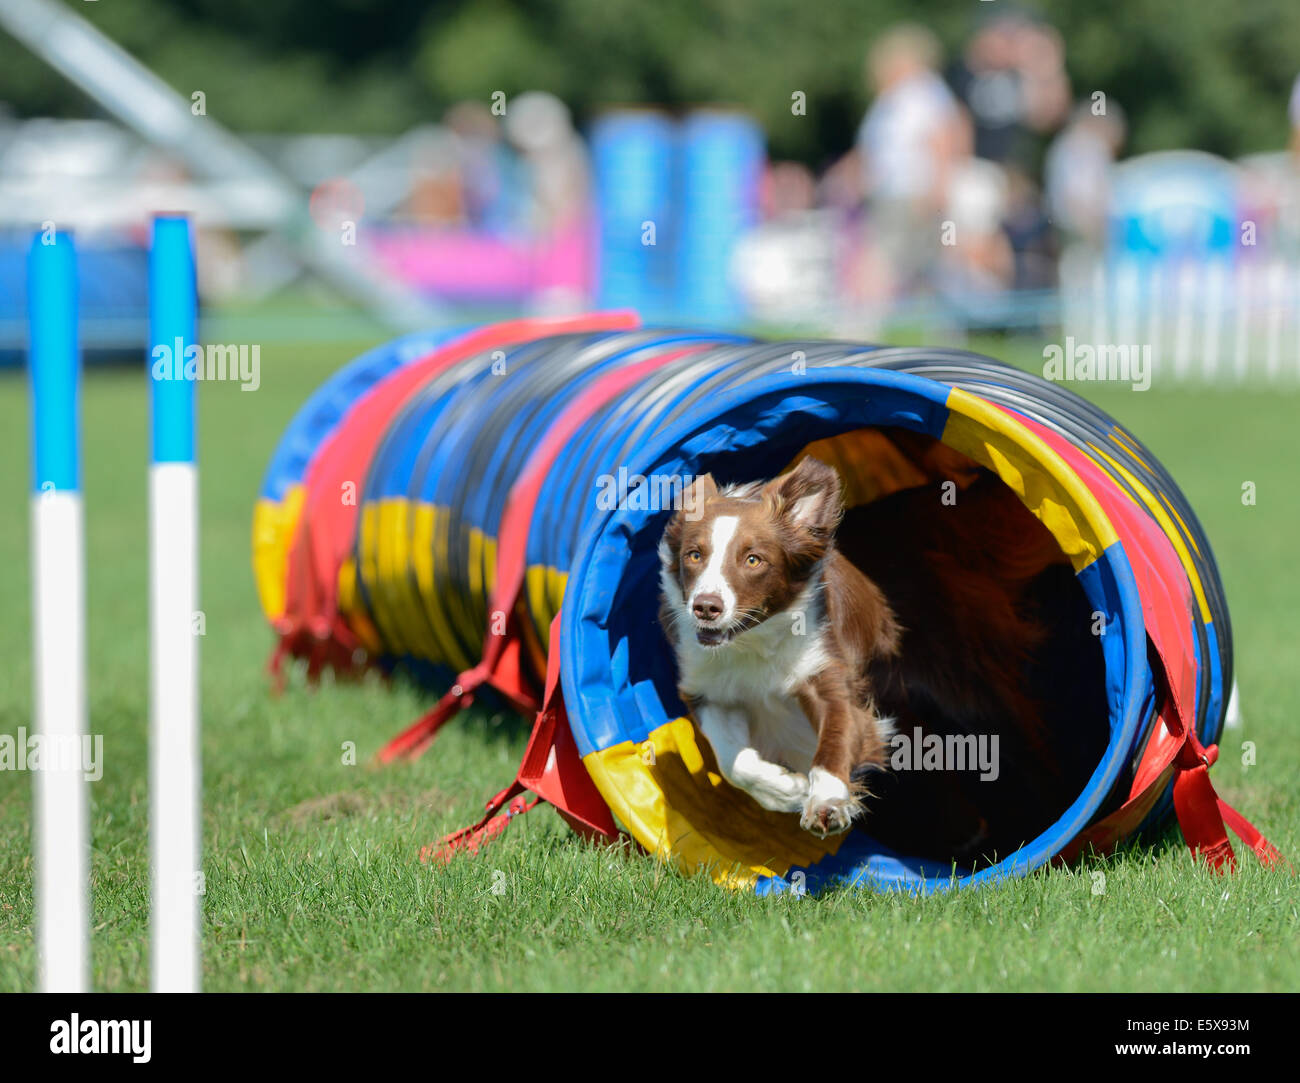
column 707, row 607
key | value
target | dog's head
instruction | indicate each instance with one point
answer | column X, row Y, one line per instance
column 747, row 551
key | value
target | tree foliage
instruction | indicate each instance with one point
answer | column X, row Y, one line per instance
column 1187, row 72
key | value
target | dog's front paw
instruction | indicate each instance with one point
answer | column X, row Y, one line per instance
column 776, row 788
column 788, row 795
column 831, row 806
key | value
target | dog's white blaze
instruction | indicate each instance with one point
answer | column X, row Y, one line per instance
column 713, row 580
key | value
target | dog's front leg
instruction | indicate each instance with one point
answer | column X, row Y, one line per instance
column 847, row 736
column 771, row 785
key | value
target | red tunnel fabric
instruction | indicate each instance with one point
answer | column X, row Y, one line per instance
column 1168, row 610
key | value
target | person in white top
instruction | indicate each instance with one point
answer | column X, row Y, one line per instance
column 909, row 143
column 912, row 132
column 1078, row 172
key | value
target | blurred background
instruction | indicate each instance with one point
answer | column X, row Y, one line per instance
column 1120, row 172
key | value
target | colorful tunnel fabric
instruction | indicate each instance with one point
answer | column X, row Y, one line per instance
column 305, row 522
column 436, row 446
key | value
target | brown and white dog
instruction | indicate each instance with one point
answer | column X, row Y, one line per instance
column 774, row 630
column 798, row 655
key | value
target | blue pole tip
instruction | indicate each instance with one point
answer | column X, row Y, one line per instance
column 173, row 338
column 54, row 360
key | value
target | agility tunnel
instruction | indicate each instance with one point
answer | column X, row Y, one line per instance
column 481, row 509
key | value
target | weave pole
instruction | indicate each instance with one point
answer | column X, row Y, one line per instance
column 173, row 602
column 62, row 850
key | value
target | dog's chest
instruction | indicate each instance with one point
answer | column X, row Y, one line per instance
column 760, row 677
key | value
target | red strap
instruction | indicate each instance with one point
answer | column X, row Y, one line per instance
column 1197, row 806
column 1269, row 855
column 1203, row 817
column 275, row 664
column 416, row 738
column 413, row 740
column 470, row 839
column 551, row 769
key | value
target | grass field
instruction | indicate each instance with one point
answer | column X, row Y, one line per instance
column 310, row 865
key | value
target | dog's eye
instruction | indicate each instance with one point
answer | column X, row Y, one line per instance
column 753, row 560
column 694, row 556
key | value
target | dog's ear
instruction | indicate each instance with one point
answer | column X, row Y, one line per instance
column 694, row 497
column 691, row 509
column 809, row 496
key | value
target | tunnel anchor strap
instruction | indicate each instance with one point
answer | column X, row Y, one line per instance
column 335, row 649
column 501, row 667
column 1205, row 817
column 470, row 839
column 1268, row 854
column 552, row 770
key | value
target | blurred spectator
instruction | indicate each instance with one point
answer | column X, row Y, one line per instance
column 539, row 125
column 1029, row 232
column 435, row 194
column 1078, row 173
column 488, row 169
column 979, row 262
column 1012, row 79
column 908, row 144
column 786, row 266
column 788, row 187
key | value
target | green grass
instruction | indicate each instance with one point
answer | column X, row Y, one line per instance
column 311, row 871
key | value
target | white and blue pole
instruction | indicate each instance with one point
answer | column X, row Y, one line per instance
column 174, row 778
column 62, row 843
